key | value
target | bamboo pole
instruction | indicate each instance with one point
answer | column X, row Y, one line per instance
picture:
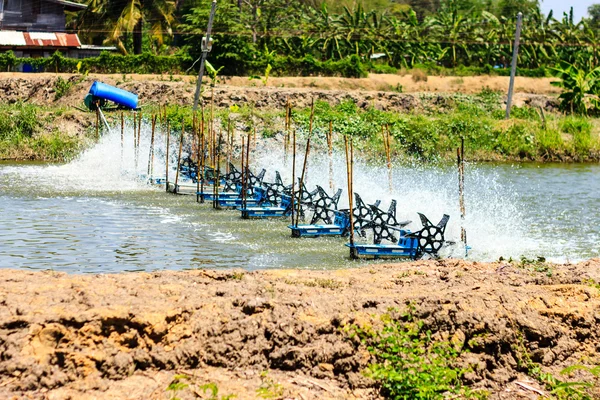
column 247, row 172
column 385, row 133
column 349, row 166
column 122, row 135
column 197, row 135
column 217, row 179
column 97, row 120
column 202, row 156
column 306, row 153
column 229, row 145
column 135, row 153
column 243, row 172
column 151, row 151
column 168, row 134
column 293, row 174
column 286, row 137
column 461, row 188
column 139, row 135
column 175, row 189
column 330, row 153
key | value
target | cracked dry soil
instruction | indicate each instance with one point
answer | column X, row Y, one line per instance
column 125, row 336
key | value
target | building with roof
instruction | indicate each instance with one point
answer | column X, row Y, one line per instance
column 36, row 28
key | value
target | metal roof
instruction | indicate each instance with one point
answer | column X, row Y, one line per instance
column 39, row 39
column 69, row 5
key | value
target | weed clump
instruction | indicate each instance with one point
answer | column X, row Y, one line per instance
column 409, row 363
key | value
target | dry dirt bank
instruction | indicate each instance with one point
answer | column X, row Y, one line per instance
column 40, row 89
column 125, row 336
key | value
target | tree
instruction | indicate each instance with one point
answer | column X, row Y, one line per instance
column 594, row 13
column 121, row 17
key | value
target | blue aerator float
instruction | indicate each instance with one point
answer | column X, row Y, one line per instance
column 100, row 93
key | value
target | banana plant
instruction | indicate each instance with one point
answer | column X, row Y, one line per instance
column 580, row 88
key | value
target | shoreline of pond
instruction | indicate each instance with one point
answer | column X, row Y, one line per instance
column 291, row 331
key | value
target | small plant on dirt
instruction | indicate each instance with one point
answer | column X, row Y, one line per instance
column 213, row 391
column 409, row 363
column 538, row 265
column 177, row 385
column 62, row 87
column 183, row 382
column 268, row 388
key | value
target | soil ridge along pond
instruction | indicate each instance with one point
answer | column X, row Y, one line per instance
column 290, row 333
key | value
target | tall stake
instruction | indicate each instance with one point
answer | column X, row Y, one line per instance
column 386, row 143
column 229, row 144
column 349, row 166
column 139, row 135
column 247, row 176
column 293, row 174
column 168, row 134
column 175, row 189
column 513, row 68
column 217, row 178
column 135, row 153
column 97, row 121
column 243, row 172
column 151, row 153
column 122, row 134
column 197, row 135
column 330, row 152
column 461, row 188
column 202, row 157
column 306, row 153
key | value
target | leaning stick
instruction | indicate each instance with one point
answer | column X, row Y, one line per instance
column 151, row 151
column 349, row 167
column 167, row 157
column 179, row 156
column 461, row 188
column 293, row 174
column 330, row 151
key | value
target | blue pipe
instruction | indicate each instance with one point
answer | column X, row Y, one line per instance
column 119, row 96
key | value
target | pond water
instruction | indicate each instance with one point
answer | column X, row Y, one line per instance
column 94, row 214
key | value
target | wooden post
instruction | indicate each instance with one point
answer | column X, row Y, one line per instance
column 135, row 153
column 330, row 153
column 461, row 188
column 151, row 153
column 218, row 173
column 175, row 189
column 293, row 174
column 286, row 136
column 229, row 144
column 97, row 121
column 247, row 172
column 139, row 135
column 197, row 135
column 349, row 166
column 386, row 144
column 202, row 157
column 122, row 135
column 306, row 153
column 168, row 133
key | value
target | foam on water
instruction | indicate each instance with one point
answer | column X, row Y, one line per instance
column 495, row 215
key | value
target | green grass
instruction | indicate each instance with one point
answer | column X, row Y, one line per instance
column 409, row 363
column 27, row 132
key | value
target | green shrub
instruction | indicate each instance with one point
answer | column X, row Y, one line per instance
column 18, row 120
column 581, row 130
column 409, row 364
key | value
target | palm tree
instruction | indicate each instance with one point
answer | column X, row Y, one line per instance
column 128, row 17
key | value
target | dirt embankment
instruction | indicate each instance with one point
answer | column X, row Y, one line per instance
column 41, row 89
column 128, row 335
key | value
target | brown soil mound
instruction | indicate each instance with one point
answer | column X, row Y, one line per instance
column 41, row 89
column 127, row 335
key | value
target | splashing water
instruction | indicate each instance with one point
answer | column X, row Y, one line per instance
column 508, row 211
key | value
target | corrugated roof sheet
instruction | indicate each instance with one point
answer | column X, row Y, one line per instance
column 12, row 38
column 70, row 5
